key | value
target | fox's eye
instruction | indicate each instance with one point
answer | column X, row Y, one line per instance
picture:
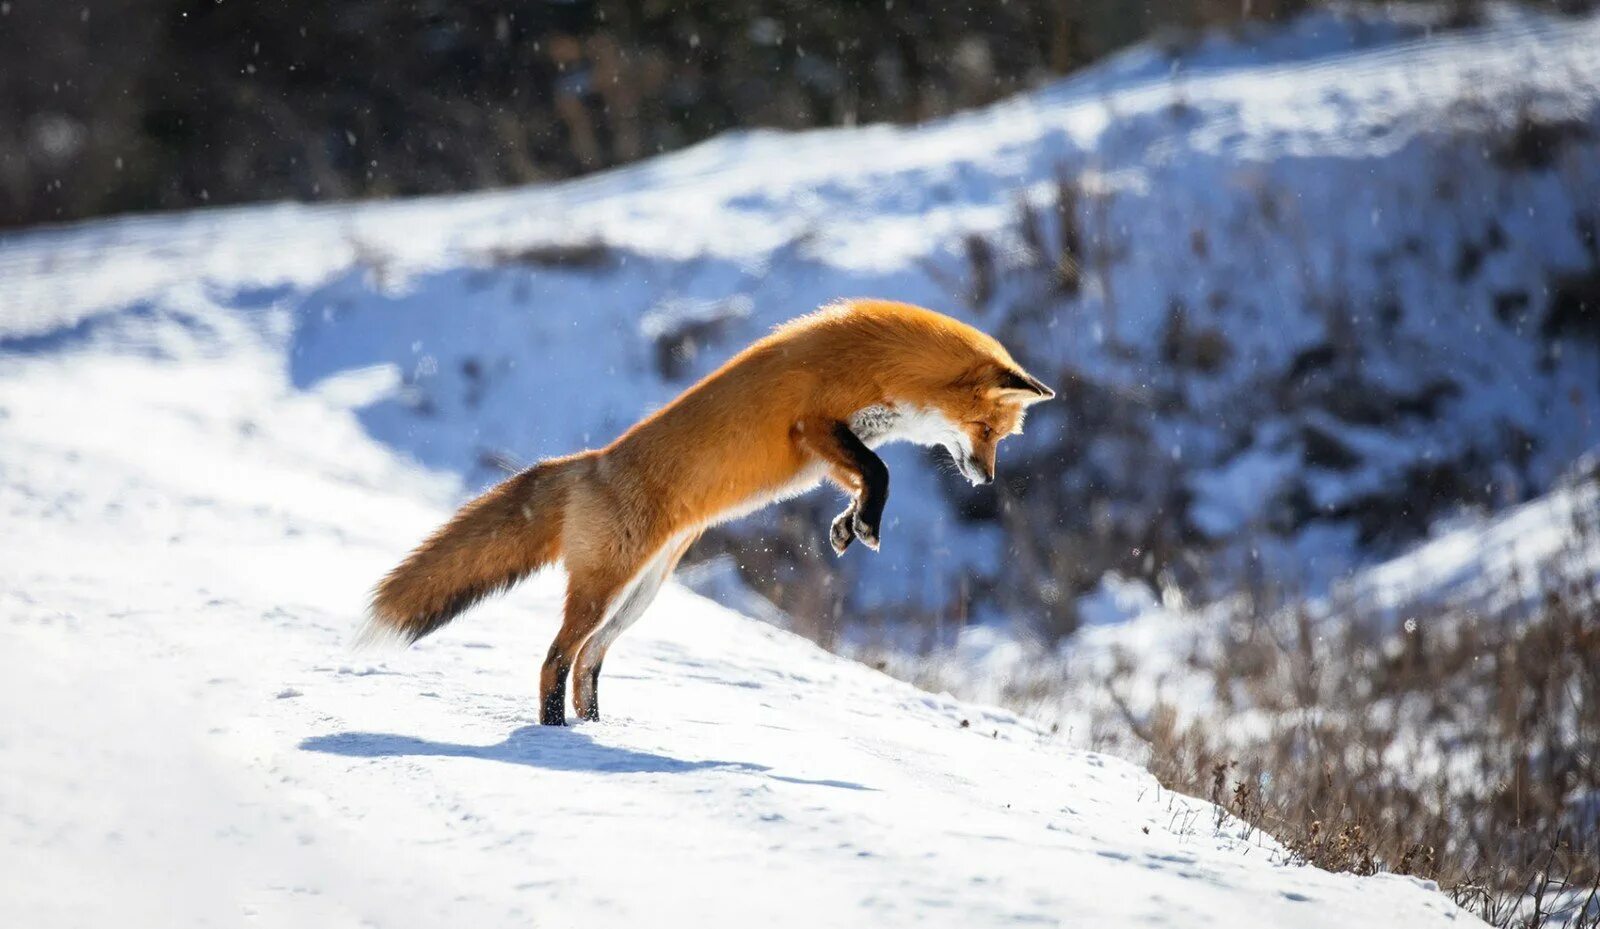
column 985, row 430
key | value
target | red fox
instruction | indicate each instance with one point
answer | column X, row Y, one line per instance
column 810, row 401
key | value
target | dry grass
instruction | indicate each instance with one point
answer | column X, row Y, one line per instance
column 1462, row 746
column 1457, row 741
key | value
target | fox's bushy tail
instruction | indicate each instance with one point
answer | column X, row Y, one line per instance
column 510, row 531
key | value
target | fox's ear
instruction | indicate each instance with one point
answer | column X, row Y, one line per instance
column 1021, row 386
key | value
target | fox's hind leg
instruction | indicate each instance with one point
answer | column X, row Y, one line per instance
column 637, row 599
column 592, row 593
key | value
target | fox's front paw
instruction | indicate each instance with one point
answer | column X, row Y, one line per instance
column 842, row 533
column 865, row 529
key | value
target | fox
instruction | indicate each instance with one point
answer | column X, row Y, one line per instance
column 809, row 402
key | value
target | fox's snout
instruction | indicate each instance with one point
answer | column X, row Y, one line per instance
column 973, row 468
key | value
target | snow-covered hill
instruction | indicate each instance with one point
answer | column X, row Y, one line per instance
column 211, row 425
column 1154, row 654
column 189, row 741
column 1330, row 198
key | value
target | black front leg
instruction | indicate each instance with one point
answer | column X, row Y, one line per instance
column 865, row 514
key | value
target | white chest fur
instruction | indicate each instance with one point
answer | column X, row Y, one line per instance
column 882, row 423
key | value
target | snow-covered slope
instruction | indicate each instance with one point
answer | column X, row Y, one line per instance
column 1270, row 187
column 210, row 426
column 188, row 740
column 1137, row 655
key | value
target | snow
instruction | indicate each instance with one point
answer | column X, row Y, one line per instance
column 1116, row 601
column 1489, row 563
column 1144, row 649
column 218, row 429
column 192, row 742
column 466, row 317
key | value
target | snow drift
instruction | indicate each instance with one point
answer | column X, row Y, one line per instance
column 189, row 541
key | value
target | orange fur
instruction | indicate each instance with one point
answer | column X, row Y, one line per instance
column 755, row 430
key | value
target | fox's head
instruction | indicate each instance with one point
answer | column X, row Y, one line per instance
column 967, row 415
column 944, row 383
column 983, row 407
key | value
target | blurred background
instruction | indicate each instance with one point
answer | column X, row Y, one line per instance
column 1311, row 529
column 118, row 105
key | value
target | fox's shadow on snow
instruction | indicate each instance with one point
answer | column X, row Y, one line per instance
column 544, row 747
